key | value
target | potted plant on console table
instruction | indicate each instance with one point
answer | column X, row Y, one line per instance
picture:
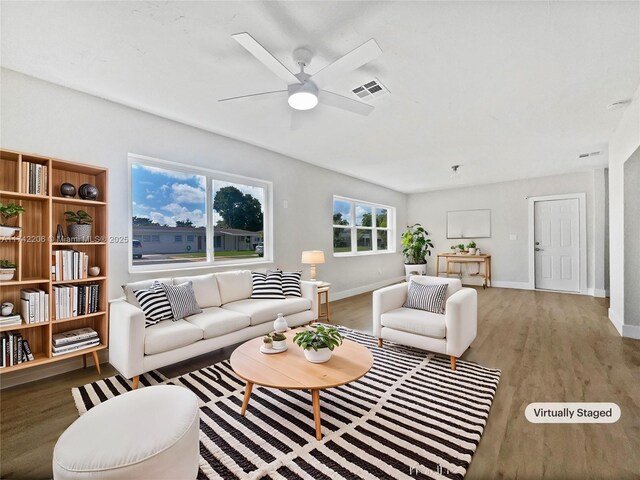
column 415, row 248
column 318, row 343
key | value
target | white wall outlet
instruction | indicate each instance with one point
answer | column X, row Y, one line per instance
column 513, row 236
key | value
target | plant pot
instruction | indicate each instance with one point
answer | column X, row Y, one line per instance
column 415, row 269
column 320, row 356
column 7, row 232
column 7, row 274
column 472, row 251
column 80, row 233
column 279, row 344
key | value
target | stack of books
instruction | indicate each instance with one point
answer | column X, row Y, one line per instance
column 35, row 305
column 34, row 178
column 10, row 320
column 69, row 265
column 15, row 349
column 75, row 300
column 74, row 340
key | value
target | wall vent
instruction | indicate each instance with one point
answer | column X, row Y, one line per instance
column 370, row 90
column 591, row 154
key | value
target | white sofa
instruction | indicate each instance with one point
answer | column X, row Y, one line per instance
column 450, row 334
column 229, row 316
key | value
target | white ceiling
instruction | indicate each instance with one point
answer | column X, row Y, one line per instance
column 507, row 90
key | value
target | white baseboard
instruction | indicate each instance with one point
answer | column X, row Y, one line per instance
column 516, row 285
column 616, row 320
column 365, row 288
column 631, row 331
column 48, row 370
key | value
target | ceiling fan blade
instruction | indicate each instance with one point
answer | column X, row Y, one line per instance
column 338, row 101
column 347, row 63
column 258, row 96
column 263, row 55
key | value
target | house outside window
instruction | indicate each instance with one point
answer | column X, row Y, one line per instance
column 362, row 228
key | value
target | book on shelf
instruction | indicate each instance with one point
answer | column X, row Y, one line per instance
column 70, row 336
column 34, row 304
column 92, row 342
column 69, row 265
column 10, row 320
column 75, row 300
column 35, row 178
column 15, row 349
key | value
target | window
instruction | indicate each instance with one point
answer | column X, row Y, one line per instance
column 362, row 227
column 227, row 214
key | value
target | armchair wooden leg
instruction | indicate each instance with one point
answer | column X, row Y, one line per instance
column 135, row 382
column 453, row 362
column 379, row 343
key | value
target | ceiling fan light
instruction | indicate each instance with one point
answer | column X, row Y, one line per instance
column 303, row 100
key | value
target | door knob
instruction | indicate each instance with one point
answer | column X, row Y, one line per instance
column 539, row 249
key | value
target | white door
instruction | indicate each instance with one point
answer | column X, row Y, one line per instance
column 557, row 244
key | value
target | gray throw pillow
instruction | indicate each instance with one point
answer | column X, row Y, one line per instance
column 426, row 297
column 182, row 299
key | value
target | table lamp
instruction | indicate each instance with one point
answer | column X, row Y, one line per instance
column 313, row 258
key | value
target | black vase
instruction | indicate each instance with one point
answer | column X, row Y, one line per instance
column 67, row 190
column 88, row 191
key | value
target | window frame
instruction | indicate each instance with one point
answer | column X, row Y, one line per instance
column 354, row 227
column 211, row 176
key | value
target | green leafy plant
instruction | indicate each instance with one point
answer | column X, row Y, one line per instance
column 320, row 337
column 416, row 244
column 10, row 210
column 471, row 244
column 7, row 264
column 461, row 247
column 453, row 247
column 267, row 340
column 80, row 217
column 278, row 337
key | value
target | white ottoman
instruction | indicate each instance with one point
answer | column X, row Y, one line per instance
column 148, row 433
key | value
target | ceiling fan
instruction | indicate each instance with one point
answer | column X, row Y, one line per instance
column 305, row 91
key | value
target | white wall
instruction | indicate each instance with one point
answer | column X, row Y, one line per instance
column 632, row 239
column 47, row 119
column 509, row 216
column 624, row 141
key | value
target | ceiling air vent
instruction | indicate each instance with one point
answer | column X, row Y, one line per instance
column 370, row 90
column 585, row 155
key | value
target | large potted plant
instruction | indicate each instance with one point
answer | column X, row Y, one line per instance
column 79, row 225
column 415, row 248
column 318, row 343
column 9, row 211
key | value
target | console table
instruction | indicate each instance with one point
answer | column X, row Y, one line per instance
column 466, row 258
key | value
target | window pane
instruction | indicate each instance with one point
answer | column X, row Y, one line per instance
column 364, row 239
column 341, row 212
column 381, row 217
column 382, row 240
column 341, row 240
column 363, row 215
column 238, row 216
column 166, row 205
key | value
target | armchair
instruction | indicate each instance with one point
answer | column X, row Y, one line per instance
column 450, row 334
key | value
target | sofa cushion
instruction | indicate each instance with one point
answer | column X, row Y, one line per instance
column 267, row 285
column 419, row 322
column 154, row 303
column 129, row 288
column 167, row 336
column 262, row 311
column 205, row 287
column 454, row 284
column 235, row 285
column 291, row 283
column 422, row 297
column 182, row 299
column 215, row 321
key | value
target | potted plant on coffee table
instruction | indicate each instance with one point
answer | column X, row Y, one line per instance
column 279, row 341
column 415, row 248
column 318, row 343
column 7, row 270
column 9, row 211
column 79, row 225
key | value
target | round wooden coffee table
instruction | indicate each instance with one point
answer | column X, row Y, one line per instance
column 291, row 370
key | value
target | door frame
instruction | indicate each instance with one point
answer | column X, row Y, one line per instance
column 582, row 218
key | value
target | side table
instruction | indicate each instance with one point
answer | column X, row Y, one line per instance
column 323, row 290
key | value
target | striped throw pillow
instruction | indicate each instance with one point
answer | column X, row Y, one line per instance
column 267, row 285
column 154, row 304
column 426, row 297
column 291, row 283
column 182, row 299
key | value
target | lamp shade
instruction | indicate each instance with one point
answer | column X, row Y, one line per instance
column 313, row 257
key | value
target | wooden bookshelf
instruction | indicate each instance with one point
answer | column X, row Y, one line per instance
column 32, row 248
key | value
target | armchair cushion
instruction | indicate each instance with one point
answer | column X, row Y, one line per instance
column 426, row 297
column 454, row 284
column 420, row 322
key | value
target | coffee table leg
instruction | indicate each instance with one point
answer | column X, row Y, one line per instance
column 315, row 397
column 247, row 395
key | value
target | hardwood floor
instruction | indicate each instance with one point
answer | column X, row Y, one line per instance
column 549, row 346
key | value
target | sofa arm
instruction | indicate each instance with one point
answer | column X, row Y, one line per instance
column 386, row 299
column 461, row 319
column 310, row 291
column 126, row 338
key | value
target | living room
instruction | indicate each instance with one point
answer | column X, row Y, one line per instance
column 483, row 113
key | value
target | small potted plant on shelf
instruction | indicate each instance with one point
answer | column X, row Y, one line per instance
column 415, row 248
column 460, row 249
column 454, row 249
column 279, row 341
column 79, row 225
column 7, row 270
column 9, row 211
column 472, row 247
column 318, row 343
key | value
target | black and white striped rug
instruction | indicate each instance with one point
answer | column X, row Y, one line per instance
column 410, row 416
